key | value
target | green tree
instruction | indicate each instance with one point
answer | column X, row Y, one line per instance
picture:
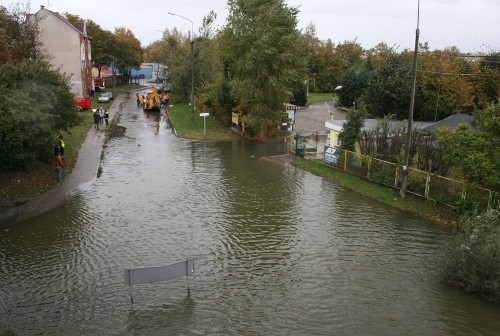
column 261, row 58
column 103, row 42
column 476, row 153
column 174, row 49
column 35, row 104
column 353, row 82
column 351, row 131
column 488, row 83
column 217, row 97
column 334, row 61
column 388, row 88
column 127, row 53
column 328, row 68
column 442, row 89
column 312, row 45
column 474, row 255
column 180, row 66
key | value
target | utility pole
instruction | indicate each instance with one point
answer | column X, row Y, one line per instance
column 404, row 177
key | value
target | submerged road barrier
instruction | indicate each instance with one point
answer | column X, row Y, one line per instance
column 143, row 275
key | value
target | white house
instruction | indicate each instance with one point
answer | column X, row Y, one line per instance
column 68, row 48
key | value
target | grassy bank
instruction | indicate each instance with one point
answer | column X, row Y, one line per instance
column 319, row 97
column 17, row 186
column 181, row 117
column 40, row 177
column 429, row 210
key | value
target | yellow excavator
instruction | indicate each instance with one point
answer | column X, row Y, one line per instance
column 152, row 101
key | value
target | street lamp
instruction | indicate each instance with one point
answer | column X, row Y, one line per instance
column 192, row 63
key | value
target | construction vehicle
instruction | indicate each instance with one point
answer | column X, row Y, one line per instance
column 99, row 84
column 82, row 103
column 152, row 101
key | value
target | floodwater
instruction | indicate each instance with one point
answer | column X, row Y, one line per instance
column 277, row 251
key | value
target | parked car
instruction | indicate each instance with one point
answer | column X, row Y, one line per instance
column 164, row 88
column 105, row 97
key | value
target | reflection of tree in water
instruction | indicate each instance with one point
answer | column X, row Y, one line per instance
column 169, row 318
column 258, row 224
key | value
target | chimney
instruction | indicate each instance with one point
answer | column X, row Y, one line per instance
column 42, row 7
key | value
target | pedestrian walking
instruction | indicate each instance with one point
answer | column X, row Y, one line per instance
column 61, row 146
column 58, row 162
column 106, row 116
column 101, row 115
column 96, row 119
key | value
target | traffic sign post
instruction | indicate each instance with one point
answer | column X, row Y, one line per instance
column 204, row 115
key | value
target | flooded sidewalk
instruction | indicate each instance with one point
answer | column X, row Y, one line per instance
column 85, row 171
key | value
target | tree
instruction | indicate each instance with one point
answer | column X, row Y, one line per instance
column 388, row 87
column 476, row 153
column 19, row 39
column 35, row 104
column 488, row 83
column 328, row 68
column 312, row 45
column 353, row 82
column 442, row 87
column 351, row 131
column 261, row 58
column 103, row 42
column 35, row 101
column 474, row 255
column 334, row 61
column 127, row 53
column 174, row 49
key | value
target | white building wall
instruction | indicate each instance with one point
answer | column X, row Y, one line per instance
column 63, row 45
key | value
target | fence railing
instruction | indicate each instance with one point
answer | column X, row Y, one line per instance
column 429, row 186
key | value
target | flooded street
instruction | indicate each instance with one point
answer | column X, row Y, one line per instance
column 277, row 251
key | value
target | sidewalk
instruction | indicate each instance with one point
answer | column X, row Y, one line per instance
column 84, row 171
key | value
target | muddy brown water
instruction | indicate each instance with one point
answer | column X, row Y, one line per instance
column 277, row 252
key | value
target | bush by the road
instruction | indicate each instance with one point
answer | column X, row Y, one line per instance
column 35, row 105
column 474, row 255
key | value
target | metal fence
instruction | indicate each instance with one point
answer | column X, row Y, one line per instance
column 429, row 186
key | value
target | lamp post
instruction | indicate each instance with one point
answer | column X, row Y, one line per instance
column 192, row 64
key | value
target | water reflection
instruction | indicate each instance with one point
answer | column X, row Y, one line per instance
column 177, row 317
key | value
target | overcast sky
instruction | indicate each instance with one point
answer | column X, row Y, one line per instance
column 471, row 25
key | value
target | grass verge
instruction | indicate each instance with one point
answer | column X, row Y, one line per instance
column 181, row 117
column 426, row 209
column 17, row 186
column 319, row 97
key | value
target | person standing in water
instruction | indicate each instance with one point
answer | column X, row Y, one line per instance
column 58, row 162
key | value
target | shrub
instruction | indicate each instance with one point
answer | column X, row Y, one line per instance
column 474, row 255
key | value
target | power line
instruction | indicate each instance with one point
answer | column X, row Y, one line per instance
column 456, row 74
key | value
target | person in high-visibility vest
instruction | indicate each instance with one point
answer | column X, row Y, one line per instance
column 106, row 116
column 61, row 146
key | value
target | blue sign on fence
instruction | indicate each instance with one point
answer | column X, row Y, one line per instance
column 331, row 155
